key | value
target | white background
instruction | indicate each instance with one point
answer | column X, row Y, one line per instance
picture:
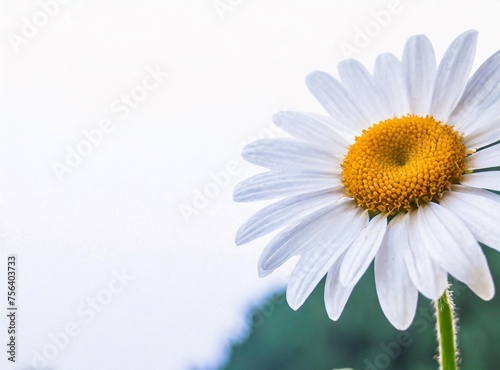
column 118, row 210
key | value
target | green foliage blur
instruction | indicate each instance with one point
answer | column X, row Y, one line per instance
column 363, row 339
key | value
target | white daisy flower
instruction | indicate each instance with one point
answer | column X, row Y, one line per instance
column 393, row 173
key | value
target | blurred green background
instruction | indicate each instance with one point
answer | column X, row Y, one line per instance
column 363, row 339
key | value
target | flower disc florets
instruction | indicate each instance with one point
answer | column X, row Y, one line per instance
column 401, row 163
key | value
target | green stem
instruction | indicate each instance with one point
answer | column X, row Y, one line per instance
column 446, row 330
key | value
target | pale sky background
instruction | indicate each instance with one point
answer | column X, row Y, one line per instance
column 118, row 211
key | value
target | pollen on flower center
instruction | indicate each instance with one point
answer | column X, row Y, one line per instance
column 401, row 163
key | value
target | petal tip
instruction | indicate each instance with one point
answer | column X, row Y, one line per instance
column 472, row 31
column 237, row 193
column 262, row 272
column 238, row 239
column 486, row 291
column 333, row 313
column 313, row 78
column 292, row 302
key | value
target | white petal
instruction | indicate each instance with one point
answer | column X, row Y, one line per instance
column 481, row 215
column 486, row 132
column 396, row 293
column 295, row 239
column 348, row 134
column 363, row 249
column 483, row 126
column 310, row 269
column 419, row 66
column 290, row 154
column 337, row 101
column 315, row 263
column 341, row 129
column 279, row 184
column 284, row 212
column 333, row 226
column 451, row 243
column 476, row 191
column 371, row 100
column 485, row 180
column 485, row 158
column 425, row 273
column 336, row 295
column 482, row 92
column 306, row 126
column 390, row 78
column 452, row 75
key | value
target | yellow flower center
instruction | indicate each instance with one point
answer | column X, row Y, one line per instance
column 400, row 163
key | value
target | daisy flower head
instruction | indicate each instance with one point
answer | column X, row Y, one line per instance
column 399, row 171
